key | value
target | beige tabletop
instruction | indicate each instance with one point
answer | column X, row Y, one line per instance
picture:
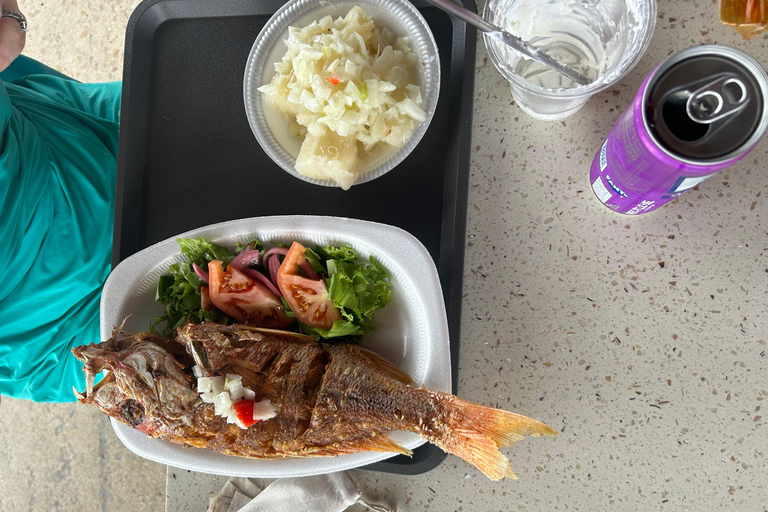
column 641, row 339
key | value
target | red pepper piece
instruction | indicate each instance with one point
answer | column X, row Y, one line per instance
column 244, row 411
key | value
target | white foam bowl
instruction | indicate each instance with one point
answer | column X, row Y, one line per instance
column 270, row 126
column 411, row 332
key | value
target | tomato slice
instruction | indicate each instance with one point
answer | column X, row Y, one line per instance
column 244, row 299
column 307, row 297
column 244, row 411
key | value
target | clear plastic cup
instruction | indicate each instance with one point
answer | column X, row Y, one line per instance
column 602, row 39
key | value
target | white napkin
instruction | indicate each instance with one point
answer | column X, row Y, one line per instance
column 333, row 492
column 235, row 494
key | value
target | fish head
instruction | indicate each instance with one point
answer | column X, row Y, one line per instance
column 143, row 386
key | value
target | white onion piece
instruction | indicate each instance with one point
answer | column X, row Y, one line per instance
column 222, row 403
column 231, row 377
column 204, row 385
column 217, row 384
column 264, row 410
column 223, row 393
column 236, row 390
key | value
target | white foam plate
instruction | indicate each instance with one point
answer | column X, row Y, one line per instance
column 412, row 331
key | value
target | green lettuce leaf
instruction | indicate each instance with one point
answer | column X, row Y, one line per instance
column 358, row 289
column 201, row 251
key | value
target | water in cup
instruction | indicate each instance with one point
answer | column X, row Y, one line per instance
column 602, row 39
column 566, row 33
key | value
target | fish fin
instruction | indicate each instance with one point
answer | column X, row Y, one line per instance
column 386, row 367
column 244, row 369
column 194, row 441
column 278, row 333
column 477, row 432
column 382, row 443
column 379, row 443
column 479, row 450
column 503, row 427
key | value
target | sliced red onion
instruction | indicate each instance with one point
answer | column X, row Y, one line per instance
column 309, row 270
column 274, row 266
column 261, row 278
column 201, row 274
column 245, row 259
column 275, row 250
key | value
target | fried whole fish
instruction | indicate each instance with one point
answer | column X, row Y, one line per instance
column 331, row 399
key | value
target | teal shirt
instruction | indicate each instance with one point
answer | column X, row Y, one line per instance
column 58, row 160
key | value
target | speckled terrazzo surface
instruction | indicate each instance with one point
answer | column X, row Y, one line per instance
column 83, row 39
column 642, row 339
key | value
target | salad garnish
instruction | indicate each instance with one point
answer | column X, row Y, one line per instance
column 326, row 291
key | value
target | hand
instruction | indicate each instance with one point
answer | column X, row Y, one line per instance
column 12, row 39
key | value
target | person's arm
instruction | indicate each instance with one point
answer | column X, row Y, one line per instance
column 12, row 39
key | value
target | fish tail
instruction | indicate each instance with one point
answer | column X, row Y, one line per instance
column 476, row 432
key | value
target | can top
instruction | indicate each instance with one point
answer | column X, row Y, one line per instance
column 707, row 104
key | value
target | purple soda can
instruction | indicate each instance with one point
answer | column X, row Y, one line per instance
column 698, row 112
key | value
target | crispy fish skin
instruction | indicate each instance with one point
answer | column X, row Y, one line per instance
column 331, row 399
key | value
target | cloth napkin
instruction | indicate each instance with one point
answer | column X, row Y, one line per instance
column 333, row 492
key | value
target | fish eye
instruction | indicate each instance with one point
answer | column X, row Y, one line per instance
column 133, row 411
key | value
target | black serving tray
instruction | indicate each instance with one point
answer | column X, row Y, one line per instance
column 187, row 156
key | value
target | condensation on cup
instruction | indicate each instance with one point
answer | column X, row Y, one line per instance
column 698, row 112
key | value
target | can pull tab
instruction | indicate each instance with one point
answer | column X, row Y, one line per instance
column 724, row 96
